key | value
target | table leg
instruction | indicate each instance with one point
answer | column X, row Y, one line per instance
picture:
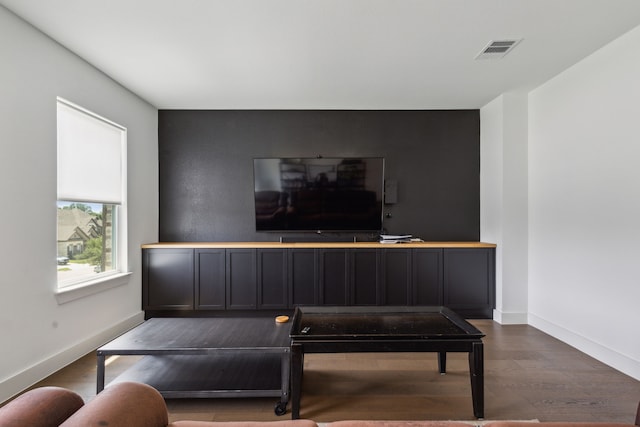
column 476, row 371
column 442, row 362
column 285, row 369
column 297, row 362
column 100, row 374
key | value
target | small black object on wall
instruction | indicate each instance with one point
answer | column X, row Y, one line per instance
column 390, row 192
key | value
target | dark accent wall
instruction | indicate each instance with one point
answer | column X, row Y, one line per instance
column 206, row 167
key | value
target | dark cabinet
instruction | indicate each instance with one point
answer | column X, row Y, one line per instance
column 241, row 279
column 469, row 281
column 365, row 277
column 273, row 290
column 303, row 277
column 427, row 277
column 167, row 279
column 396, row 276
column 210, row 279
column 462, row 279
column 334, row 278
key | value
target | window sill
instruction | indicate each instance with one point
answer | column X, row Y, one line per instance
column 72, row 293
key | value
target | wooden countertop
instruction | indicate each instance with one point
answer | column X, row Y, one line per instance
column 278, row 245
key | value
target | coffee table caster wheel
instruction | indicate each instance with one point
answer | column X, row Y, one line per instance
column 280, row 409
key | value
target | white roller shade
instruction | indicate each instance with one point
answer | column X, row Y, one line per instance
column 90, row 156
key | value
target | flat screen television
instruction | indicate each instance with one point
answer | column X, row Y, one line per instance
column 319, row 194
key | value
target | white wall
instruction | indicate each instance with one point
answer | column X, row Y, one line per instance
column 584, row 205
column 37, row 335
column 491, row 183
column 503, row 205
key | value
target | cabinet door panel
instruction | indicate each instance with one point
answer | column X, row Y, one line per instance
column 168, row 282
column 396, row 264
column 241, row 279
column 210, row 279
column 427, row 277
column 272, row 279
column 334, row 278
column 469, row 281
column 303, row 277
column 365, row 273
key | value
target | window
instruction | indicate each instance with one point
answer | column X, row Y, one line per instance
column 91, row 213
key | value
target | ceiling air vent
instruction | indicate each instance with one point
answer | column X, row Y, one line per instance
column 496, row 49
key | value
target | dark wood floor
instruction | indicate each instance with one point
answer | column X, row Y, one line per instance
column 528, row 375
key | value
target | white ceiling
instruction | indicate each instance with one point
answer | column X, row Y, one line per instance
column 327, row 54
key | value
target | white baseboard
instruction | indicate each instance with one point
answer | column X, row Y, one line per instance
column 505, row 318
column 616, row 360
column 28, row 377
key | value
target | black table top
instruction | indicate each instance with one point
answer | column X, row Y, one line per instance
column 385, row 322
column 202, row 333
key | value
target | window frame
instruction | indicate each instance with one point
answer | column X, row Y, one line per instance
column 120, row 275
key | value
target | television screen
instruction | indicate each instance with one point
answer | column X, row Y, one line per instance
column 318, row 194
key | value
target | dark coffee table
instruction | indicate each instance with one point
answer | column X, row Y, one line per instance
column 206, row 357
column 385, row 329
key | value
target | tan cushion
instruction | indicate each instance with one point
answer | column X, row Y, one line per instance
column 40, row 407
column 124, row 404
column 283, row 423
column 555, row 424
column 383, row 423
